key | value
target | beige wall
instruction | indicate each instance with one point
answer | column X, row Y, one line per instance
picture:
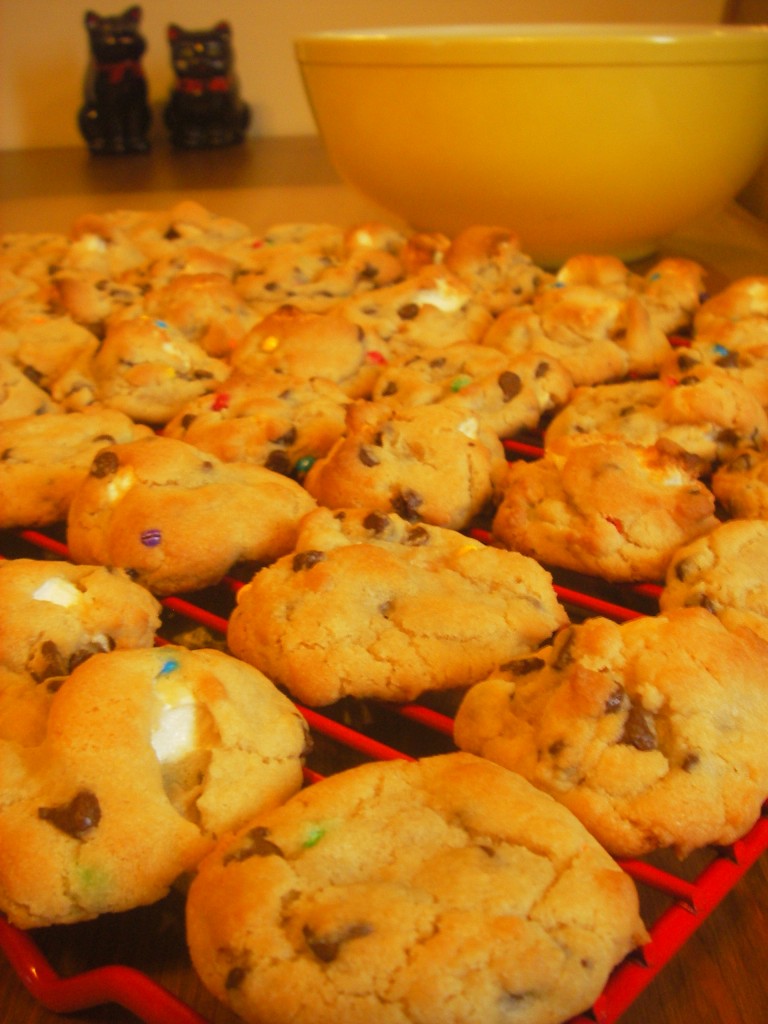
column 43, row 48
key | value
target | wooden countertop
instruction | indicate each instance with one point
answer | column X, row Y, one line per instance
column 719, row 976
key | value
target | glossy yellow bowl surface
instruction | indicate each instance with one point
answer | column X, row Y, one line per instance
column 578, row 137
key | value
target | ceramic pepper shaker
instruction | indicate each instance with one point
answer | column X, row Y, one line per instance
column 205, row 108
column 115, row 116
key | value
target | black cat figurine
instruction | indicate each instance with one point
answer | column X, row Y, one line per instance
column 115, row 117
column 205, row 108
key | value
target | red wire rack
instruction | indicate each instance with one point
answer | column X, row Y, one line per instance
column 356, row 731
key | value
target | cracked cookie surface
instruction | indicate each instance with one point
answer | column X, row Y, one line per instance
column 149, row 756
column 435, row 464
column 399, row 892
column 651, row 731
column 605, row 507
column 157, row 509
column 726, row 572
column 43, row 460
column 370, row 605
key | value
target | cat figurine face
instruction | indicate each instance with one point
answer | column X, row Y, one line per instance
column 204, row 109
column 115, row 116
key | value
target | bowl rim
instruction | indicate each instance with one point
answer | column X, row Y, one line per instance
column 558, row 43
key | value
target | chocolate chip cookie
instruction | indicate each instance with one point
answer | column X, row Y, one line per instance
column 402, row 891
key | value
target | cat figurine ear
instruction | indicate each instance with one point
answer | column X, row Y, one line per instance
column 205, row 108
column 115, row 116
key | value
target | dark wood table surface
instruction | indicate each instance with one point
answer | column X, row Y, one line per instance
column 719, row 976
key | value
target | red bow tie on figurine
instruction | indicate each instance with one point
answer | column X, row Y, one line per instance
column 117, row 70
column 198, row 86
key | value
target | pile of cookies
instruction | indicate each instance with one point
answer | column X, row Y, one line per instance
column 324, row 417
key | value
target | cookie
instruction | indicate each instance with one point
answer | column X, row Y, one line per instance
column 651, row 731
column 432, row 308
column 178, row 519
column 57, row 614
column 149, row 756
column 431, row 463
column 491, row 261
column 505, row 393
column 747, row 363
column 144, row 368
column 704, row 411
column 725, row 572
column 673, row 291
column 598, row 336
column 737, row 315
column 314, row 266
column 20, row 395
column 44, row 458
column 120, row 243
column 309, row 344
column 44, row 347
column 273, row 419
column 395, row 888
column 604, row 507
column 92, row 298
column 741, row 484
column 205, row 307
column 370, row 605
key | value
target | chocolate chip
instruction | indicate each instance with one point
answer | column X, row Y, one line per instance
column 702, row 601
column 614, row 701
column 523, row 666
column 689, row 762
column 366, row 456
column 564, row 654
column 368, row 271
column 684, row 567
column 76, row 818
column 556, row 748
column 542, row 369
column 86, row 652
column 409, row 311
column 510, row 385
column 686, row 362
column 306, row 559
column 728, row 436
column 48, row 663
column 326, row 947
column 289, row 437
column 255, row 843
column 416, row 536
column 639, row 731
column 187, row 420
column 407, row 504
column 279, row 462
column 376, row 522
column 105, row 464
column 235, row 978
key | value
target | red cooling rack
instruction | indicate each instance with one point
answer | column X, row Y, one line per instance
column 682, row 894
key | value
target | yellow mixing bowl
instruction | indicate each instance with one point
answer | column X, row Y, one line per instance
column 578, row 137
